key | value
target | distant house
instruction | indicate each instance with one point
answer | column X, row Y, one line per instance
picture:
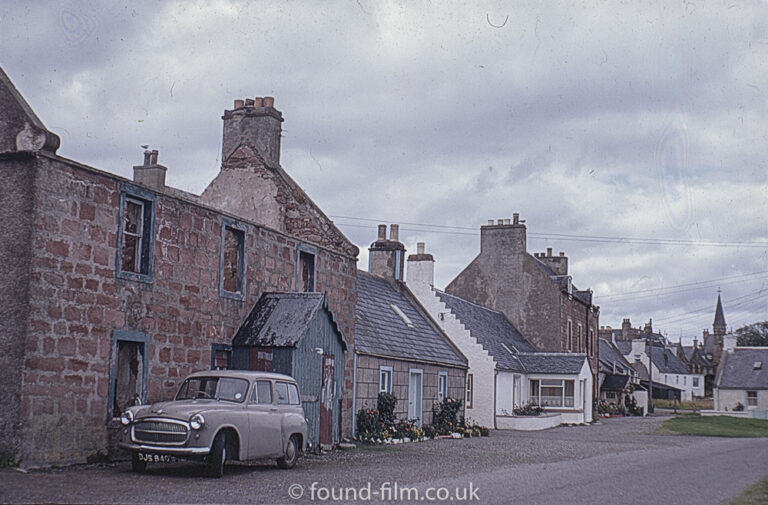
column 743, row 379
column 671, row 378
column 399, row 349
column 618, row 378
column 534, row 291
column 505, row 370
column 297, row 334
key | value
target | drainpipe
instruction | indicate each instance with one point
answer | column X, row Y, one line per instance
column 354, row 394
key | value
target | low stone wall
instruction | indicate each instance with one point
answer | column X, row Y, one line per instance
column 529, row 423
column 730, row 413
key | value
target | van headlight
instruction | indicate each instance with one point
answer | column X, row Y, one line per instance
column 197, row 421
column 126, row 418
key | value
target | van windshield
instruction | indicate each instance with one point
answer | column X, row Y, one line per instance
column 213, row 388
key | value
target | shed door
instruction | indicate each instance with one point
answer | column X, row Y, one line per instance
column 326, row 401
column 414, row 395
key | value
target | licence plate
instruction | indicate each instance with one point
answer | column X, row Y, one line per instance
column 156, row 458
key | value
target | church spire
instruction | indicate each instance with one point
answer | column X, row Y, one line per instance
column 718, row 326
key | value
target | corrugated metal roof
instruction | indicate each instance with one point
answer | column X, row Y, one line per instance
column 492, row 330
column 280, row 319
column 381, row 331
column 738, row 369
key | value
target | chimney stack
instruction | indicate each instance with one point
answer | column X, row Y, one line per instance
column 150, row 173
column 504, row 237
column 421, row 271
column 386, row 258
column 253, row 122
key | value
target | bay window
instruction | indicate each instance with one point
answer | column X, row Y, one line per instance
column 552, row 392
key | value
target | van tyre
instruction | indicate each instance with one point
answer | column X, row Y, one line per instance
column 217, row 457
column 291, row 453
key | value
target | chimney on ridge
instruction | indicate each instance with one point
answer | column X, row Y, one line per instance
column 386, row 258
column 253, row 122
column 150, row 173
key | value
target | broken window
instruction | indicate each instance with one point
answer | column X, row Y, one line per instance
column 221, row 356
column 306, row 271
column 135, row 238
column 232, row 269
column 233, row 265
column 129, row 371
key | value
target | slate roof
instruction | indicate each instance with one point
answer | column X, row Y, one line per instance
column 552, row 362
column 615, row 382
column 667, row 361
column 381, row 331
column 491, row 329
column 738, row 369
column 280, row 319
column 688, row 351
column 624, row 347
column 584, row 297
column 609, row 355
column 672, row 364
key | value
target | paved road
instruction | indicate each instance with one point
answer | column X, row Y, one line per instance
column 620, row 461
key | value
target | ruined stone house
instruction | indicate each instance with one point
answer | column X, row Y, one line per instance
column 534, row 291
column 115, row 289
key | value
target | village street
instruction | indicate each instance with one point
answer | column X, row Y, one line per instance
column 618, row 461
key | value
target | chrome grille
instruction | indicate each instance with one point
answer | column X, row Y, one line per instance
column 160, row 432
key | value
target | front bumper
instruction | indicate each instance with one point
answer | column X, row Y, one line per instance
column 159, row 449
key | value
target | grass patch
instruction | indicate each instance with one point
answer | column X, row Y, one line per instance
column 756, row 494
column 716, row 426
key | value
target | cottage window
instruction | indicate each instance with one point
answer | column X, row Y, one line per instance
column 135, row 236
column 610, row 395
column 306, row 271
column 578, row 338
column 570, row 335
column 469, row 391
column 685, row 380
column 385, row 379
column 232, row 270
column 128, row 379
column 752, row 398
column 552, row 392
column 442, row 386
column 695, row 382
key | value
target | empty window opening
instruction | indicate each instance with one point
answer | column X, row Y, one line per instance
column 306, row 271
column 128, row 376
column 233, row 263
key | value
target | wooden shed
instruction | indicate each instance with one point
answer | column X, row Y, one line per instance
column 296, row 334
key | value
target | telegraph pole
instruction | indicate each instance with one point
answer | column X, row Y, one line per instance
column 650, row 373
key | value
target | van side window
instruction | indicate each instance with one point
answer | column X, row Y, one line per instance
column 262, row 393
column 293, row 394
column 281, row 391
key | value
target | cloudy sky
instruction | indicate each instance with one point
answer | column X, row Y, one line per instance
column 632, row 136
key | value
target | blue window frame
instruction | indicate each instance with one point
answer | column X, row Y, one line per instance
column 129, row 372
column 136, row 234
column 233, row 264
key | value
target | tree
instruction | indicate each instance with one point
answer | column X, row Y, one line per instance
column 755, row 334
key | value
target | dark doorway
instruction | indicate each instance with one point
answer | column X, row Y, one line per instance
column 326, row 401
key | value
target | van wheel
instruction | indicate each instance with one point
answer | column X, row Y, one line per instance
column 137, row 465
column 217, row 456
column 291, row 453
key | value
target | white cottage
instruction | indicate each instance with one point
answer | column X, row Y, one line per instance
column 505, row 370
